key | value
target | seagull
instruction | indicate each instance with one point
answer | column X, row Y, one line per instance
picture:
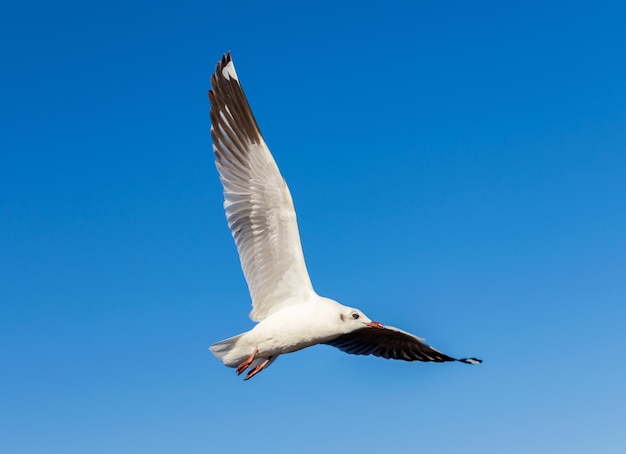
column 262, row 219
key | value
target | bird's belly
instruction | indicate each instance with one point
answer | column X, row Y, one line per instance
column 279, row 335
column 283, row 342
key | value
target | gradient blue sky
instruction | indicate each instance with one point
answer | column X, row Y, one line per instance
column 458, row 169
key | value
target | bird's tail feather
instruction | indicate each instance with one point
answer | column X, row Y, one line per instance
column 223, row 348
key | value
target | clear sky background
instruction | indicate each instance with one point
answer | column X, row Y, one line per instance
column 458, row 169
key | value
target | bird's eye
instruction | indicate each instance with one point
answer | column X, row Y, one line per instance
column 355, row 315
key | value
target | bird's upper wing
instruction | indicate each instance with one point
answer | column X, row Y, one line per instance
column 391, row 343
column 258, row 204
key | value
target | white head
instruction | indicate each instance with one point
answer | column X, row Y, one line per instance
column 344, row 319
column 353, row 319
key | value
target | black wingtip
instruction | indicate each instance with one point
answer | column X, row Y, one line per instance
column 226, row 58
column 470, row 360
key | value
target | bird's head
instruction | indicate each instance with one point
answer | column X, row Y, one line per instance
column 354, row 319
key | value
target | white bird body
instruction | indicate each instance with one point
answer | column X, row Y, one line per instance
column 262, row 219
column 292, row 328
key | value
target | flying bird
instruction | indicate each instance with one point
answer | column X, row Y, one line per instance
column 262, row 219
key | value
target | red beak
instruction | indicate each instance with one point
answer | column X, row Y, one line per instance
column 375, row 325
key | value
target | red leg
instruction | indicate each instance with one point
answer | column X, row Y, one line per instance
column 257, row 369
column 243, row 366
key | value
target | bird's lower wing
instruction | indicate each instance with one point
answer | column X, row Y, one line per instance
column 391, row 343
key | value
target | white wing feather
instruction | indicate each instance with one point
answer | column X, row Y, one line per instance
column 258, row 204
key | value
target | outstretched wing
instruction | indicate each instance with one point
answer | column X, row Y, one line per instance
column 258, row 204
column 391, row 343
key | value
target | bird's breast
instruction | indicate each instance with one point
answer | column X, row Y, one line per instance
column 291, row 329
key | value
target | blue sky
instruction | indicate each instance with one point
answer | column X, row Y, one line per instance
column 458, row 170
